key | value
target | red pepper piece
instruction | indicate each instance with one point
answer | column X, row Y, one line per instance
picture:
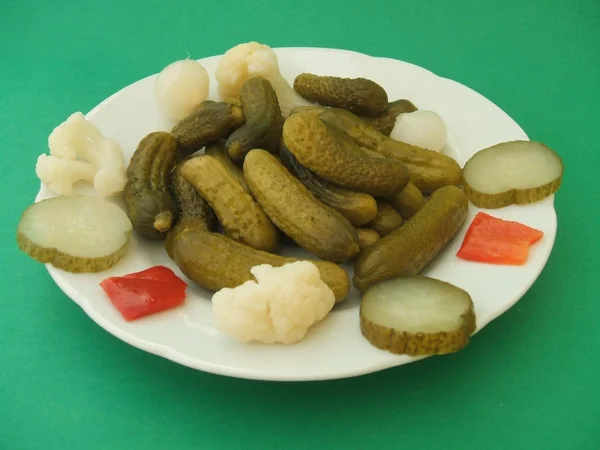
column 495, row 250
column 158, row 273
column 492, row 225
column 147, row 292
column 497, row 241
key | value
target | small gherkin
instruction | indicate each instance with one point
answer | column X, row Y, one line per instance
column 358, row 95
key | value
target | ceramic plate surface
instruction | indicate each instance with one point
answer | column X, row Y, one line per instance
column 334, row 348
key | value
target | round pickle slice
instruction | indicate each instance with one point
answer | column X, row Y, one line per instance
column 417, row 316
column 514, row 172
column 77, row 233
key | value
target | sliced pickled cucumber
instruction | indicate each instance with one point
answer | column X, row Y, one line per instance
column 515, row 172
column 75, row 233
column 417, row 316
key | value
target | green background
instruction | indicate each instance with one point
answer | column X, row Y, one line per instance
column 529, row 380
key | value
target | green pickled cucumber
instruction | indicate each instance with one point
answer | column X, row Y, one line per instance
column 410, row 248
column 429, row 170
column 357, row 207
column 240, row 215
column 335, row 157
column 387, row 219
column 215, row 262
column 193, row 210
column 366, row 237
column 316, row 110
column 314, row 226
column 385, row 121
column 263, row 120
column 148, row 200
column 219, row 152
column 208, row 123
column 359, row 95
column 408, row 201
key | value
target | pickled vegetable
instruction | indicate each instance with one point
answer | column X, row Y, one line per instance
column 315, row 226
column 417, row 316
column 215, row 261
column 208, row 123
column 357, row 207
column 387, row 219
column 429, row 170
column 518, row 172
column 263, row 120
column 77, row 233
column 385, row 121
column 410, row 248
column 332, row 155
column 359, row 95
column 240, row 215
column 150, row 205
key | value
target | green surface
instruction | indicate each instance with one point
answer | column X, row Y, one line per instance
column 529, row 380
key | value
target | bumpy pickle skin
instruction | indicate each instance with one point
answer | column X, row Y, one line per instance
column 215, row 261
column 208, row 123
column 335, row 157
column 358, row 95
column 148, row 199
column 264, row 121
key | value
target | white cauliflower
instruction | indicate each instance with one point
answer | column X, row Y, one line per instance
column 279, row 307
column 254, row 59
column 78, row 151
column 60, row 174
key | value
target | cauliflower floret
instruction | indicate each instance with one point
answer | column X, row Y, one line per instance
column 279, row 307
column 61, row 174
column 79, row 151
column 254, row 59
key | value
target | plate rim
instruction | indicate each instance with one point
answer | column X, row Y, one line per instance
column 178, row 357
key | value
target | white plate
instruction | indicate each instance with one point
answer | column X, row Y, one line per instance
column 335, row 348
